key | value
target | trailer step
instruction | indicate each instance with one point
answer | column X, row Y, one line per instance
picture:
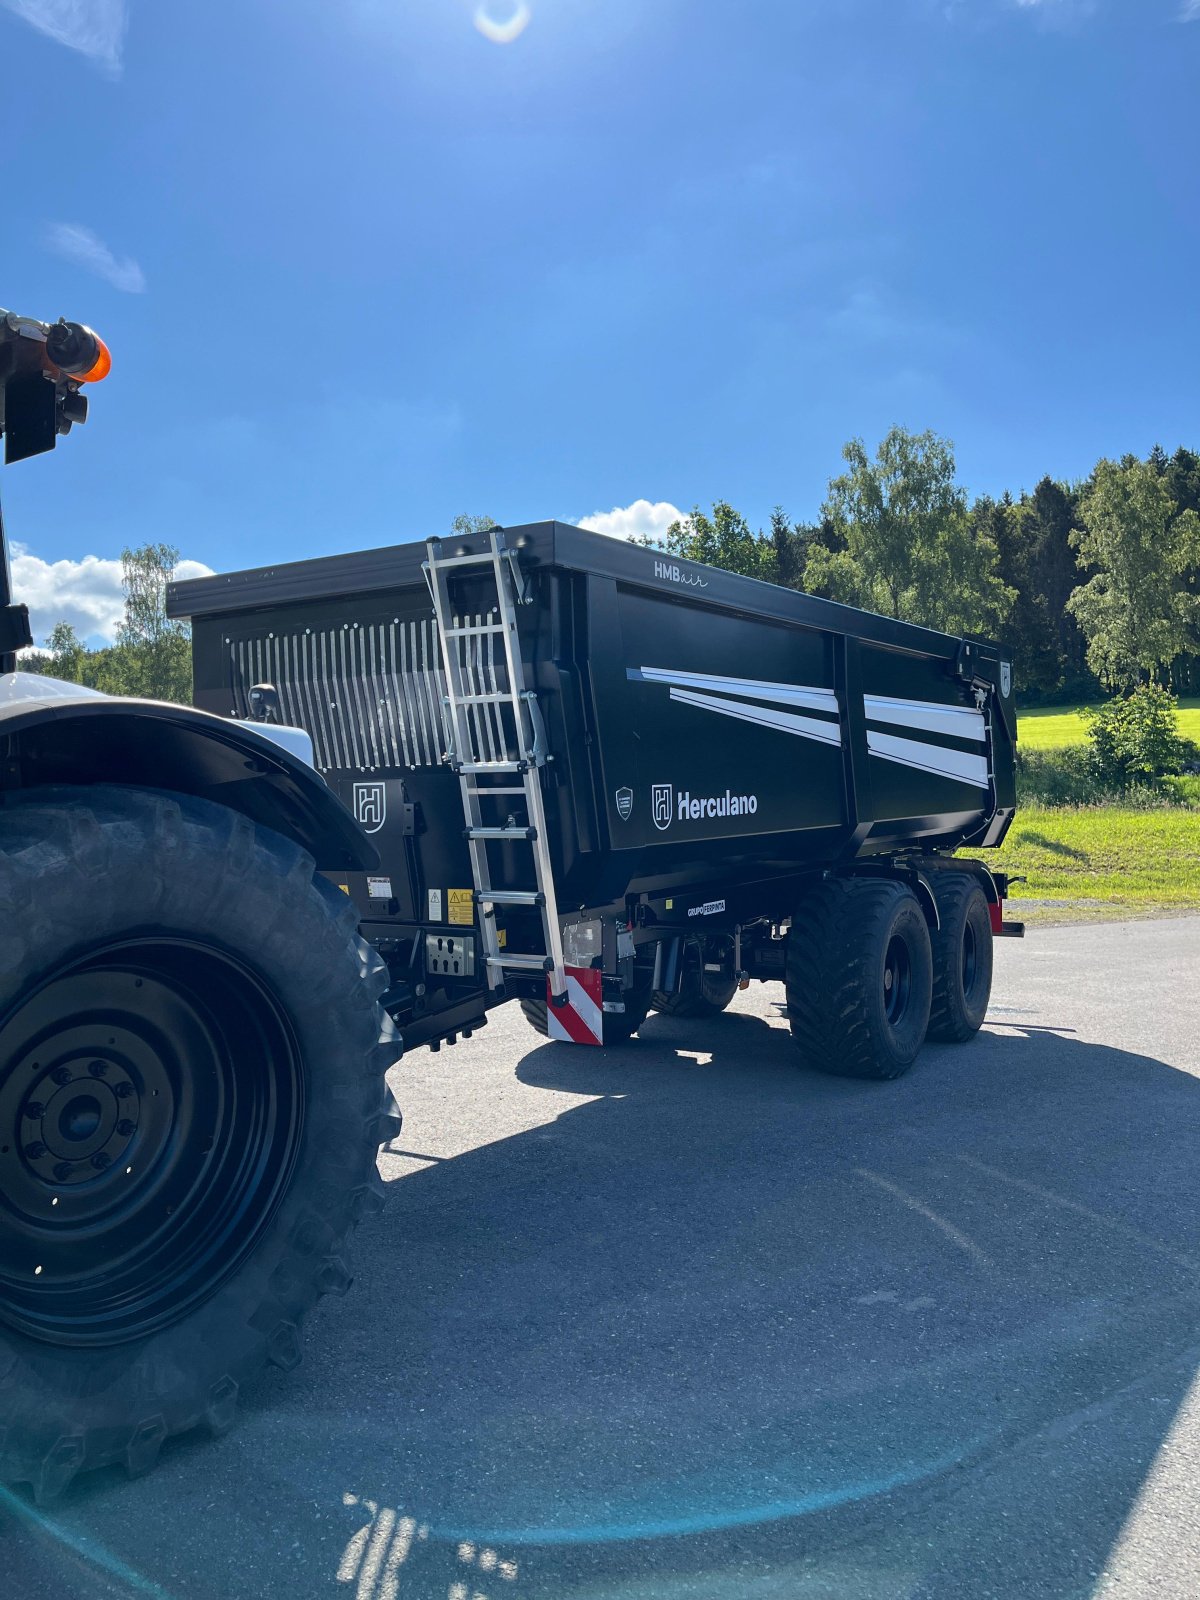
column 516, row 959
column 529, row 834
column 510, row 897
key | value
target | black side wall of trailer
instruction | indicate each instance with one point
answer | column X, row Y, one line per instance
column 704, row 729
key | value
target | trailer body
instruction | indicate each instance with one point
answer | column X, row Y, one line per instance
column 711, row 741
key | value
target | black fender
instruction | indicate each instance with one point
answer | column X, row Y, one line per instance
column 148, row 744
column 905, row 872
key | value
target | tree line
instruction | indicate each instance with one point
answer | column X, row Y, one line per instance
column 1095, row 585
column 151, row 656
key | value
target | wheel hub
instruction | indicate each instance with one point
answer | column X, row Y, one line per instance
column 78, row 1118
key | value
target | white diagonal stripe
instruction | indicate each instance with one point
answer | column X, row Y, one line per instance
column 928, row 716
column 763, row 716
column 792, row 694
column 956, row 764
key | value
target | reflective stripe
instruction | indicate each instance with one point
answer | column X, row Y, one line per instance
column 581, row 1020
column 763, row 716
column 960, row 722
column 942, row 763
column 792, row 694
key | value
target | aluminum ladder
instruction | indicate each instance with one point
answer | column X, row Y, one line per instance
column 483, row 746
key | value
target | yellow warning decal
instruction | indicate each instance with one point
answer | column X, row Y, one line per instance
column 344, row 887
column 462, row 906
column 501, row 938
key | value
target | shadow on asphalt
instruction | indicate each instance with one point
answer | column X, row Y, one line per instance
column 735, row 1330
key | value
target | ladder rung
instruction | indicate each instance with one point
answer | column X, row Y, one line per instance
column 474, row 788
column 475, row 631
column 506, row 833
column 496, row 698
column 513, row 959
column 492, row 766
column 510, row 897
column 468, row 560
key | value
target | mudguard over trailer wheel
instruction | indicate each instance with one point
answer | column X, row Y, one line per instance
column 859, row 977
column 701, row 993
column 192, row 1096
column 962, row 957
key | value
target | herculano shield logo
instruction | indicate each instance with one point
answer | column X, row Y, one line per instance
column 370, row 806
column 624, row 799
column 663, row 804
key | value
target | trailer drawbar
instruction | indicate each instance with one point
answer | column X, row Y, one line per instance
column 601, row 782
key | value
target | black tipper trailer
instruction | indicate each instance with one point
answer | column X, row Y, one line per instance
column 726, row 779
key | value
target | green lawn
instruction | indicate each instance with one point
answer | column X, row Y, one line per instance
column 1051, row 727
column 1101, row 862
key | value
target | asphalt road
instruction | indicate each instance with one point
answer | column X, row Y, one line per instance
column 681, row 1320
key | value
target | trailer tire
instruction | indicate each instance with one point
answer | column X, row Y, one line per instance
column 179, row 982
column 859, row 977
column 700, row 993
column 619, row 1027
column 962, row 958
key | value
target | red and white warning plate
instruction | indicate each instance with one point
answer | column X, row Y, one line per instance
column 581, row 1020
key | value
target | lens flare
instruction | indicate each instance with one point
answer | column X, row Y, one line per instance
column 502, row 30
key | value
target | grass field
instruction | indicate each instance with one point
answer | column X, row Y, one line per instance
column 1051, row 727
column 1101, row 862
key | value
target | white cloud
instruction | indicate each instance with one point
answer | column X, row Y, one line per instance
column 86, row 593
column 79, row 244
column 1189, row 11
column 96, row 28
column 642, row 519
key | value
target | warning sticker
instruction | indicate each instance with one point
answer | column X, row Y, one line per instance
column 462, row 906
column 379, row 888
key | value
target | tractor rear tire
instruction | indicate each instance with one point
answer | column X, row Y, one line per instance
column 859, row 977
column 701, row 993
column 962, row 957
column 192, row 1096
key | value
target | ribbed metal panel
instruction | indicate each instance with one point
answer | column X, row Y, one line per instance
column 371, row 696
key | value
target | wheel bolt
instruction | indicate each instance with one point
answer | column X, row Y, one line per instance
column 101, row 1160
column 35, row 1109
column 97, row 1068
column 35, row 1151
column 61, row 1076
column 123, row 1091
column 125, row 1127
column 63, row 1171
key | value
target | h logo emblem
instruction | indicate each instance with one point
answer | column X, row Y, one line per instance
column 663, row 802
column 370, row 806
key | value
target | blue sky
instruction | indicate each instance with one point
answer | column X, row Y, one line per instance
column 364, row 264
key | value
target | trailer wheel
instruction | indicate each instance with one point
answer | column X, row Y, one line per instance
column 962, row 958
column 701, row 993
column 192, row 1096
column 859, row 977
column 619, row 1027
